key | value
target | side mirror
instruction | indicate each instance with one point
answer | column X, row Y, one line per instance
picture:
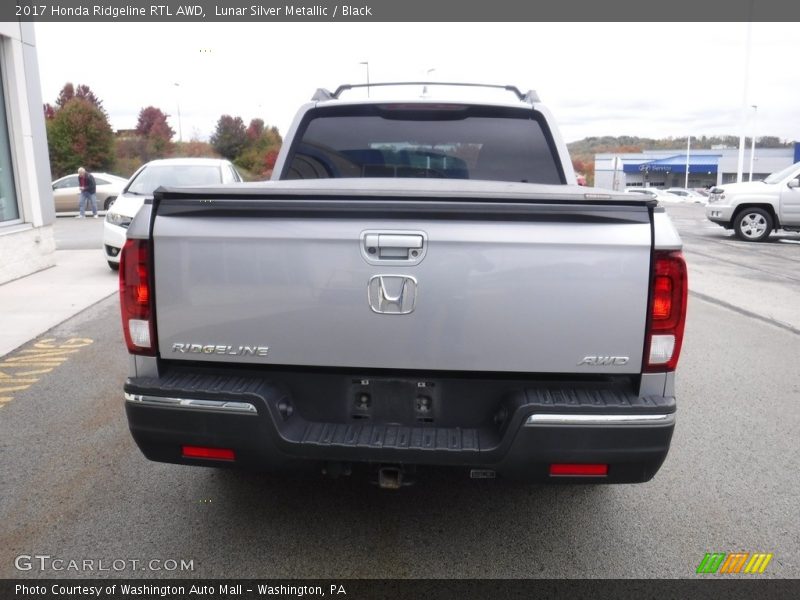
column 794, row 183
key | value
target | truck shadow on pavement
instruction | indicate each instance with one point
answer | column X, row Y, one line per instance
column 445, row 525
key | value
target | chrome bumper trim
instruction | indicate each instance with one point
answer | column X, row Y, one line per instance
column 213, row 405
column 599, row 420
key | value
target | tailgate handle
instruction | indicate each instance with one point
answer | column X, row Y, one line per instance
column 394, row 246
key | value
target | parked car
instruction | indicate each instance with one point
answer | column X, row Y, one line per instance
column 652, row 193
column 686, row 195
column 66, row 192
column 172, row 172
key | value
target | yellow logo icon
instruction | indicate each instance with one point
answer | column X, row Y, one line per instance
column 735, row 562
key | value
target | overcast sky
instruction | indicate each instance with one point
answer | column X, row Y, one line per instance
column 641, row 79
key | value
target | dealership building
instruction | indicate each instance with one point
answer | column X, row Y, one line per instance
column 27, row 212
column 667, row 168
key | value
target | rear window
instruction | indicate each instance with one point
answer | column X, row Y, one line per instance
column 153, row 176
column 446, row 141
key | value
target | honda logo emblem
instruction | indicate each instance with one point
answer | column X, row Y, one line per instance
column 392, row 294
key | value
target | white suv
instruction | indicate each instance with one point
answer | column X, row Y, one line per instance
column 753, row 209
column 172, row 172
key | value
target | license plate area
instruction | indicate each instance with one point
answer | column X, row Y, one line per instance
column 394, row 400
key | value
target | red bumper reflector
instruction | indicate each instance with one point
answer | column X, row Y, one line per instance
column 211, row 453
column 578, row 470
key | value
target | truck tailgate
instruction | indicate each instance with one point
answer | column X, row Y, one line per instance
column 542, row 288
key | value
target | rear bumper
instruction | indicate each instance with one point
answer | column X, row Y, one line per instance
column 525, row 433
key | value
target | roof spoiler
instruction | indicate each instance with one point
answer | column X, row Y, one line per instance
column 322, row 94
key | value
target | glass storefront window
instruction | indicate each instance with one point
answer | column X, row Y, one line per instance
column 9, row 209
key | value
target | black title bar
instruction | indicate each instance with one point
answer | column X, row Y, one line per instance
column 222, row 11
column 393, row 589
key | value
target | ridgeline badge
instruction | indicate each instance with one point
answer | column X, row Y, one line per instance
column 220, row 349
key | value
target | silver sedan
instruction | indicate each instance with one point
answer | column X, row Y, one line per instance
column 66, row 192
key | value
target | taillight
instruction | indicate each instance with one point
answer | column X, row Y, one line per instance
column 136, row 298
column 667, row 314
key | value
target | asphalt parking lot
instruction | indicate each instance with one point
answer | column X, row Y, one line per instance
column 75, row 487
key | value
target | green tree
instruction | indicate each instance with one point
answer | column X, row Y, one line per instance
column 68, row 92
column 159, row 144
column 79, row 134
column 151, row 117
column 152, row 126
column 255, row 130
column 770, row 141
column 263, row 143
column 195, row 147
column 230, row 136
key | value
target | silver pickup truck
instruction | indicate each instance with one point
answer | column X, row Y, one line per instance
column 423, row 284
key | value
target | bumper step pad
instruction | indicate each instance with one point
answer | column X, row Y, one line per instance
column 394, row 437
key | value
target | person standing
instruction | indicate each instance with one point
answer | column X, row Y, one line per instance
column 88, row 190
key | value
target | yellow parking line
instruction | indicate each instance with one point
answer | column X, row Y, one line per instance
column 26, row 373
column 42, row 358
column 16, row 388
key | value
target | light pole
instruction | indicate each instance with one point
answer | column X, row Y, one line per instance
column 743, row 114
column 366, row 63
column 753, row 141
column 425, row 87
column 180, row 128
column 688, row 149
